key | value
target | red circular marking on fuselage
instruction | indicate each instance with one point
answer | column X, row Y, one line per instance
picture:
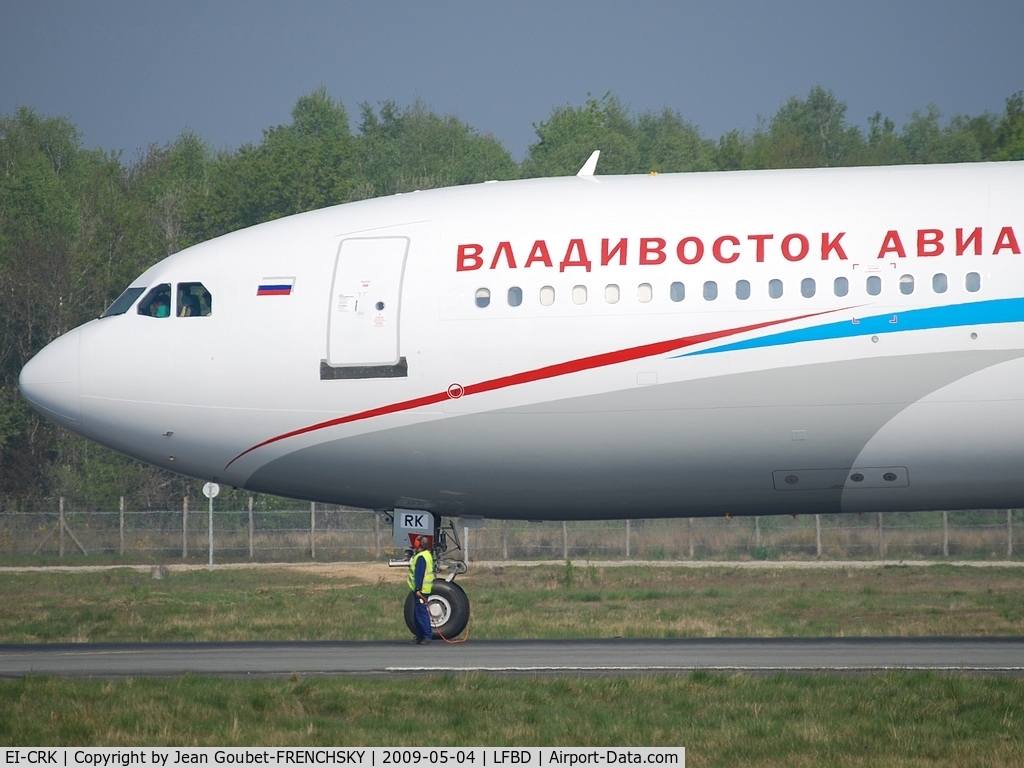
column 455, row 391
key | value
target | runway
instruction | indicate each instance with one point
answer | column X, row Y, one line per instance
column 995, row 656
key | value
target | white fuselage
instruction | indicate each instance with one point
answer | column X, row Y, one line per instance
column 669, row 345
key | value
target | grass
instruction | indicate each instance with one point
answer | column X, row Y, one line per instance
column 888, row 720
column 792, row 720
column 364, row 603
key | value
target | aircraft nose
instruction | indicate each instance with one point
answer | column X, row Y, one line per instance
column 49, row 381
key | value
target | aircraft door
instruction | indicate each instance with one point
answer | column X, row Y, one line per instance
column 363, row 321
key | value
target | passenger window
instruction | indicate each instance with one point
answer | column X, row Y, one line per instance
column 775, row 289
column 972, row 282
column 123, row 302
column 807, row 287
column 906, row 284
column 157, row 302
column 579, row 294
column 677, row 291
column 515, row 296
column 841, row 286
column 483, row 297
column 939, row 282
column 194, row 300
column 547, row 295
column 743, row 289
column 644, row 292
column 611, row 294
column 874, row 285
column 710, row 290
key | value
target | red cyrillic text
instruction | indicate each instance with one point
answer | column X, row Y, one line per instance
column 652, row 250
column 469, row 257
column 581, row 260
column 539, row 252
column 929, row 242
column 787, row 251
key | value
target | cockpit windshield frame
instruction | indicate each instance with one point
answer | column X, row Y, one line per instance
column 157, row 302
column 124, row 302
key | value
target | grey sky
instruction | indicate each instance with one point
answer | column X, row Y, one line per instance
column 132, row 73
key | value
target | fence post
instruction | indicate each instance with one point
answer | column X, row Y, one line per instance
column 627, row 538
column 61, row 524
column 376, row 534
column 1009, row 532
column 757, row 531
column 122, row 526
column 817, row 533
column 252, row 526
column 211, row 533
column 504, row 539
column 945, row 533
column 184, row 528
column 565, row 542
column 881, row 539
column 312, row 530
column 689, row 529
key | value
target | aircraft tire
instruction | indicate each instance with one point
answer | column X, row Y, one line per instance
column 449, row 610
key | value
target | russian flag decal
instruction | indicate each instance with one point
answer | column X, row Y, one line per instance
column 275, row 286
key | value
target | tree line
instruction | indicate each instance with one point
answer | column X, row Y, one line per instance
column 77, row 225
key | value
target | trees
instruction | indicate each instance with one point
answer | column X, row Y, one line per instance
column 807, row 133
column 72, row 234
column 567, row 138
column 926, row 141
column 167, row 181
column 669, row 144
column 77, row 225
column 48, row 271
column 652, row 141
column 1009, row 143
column 298, row 167
column 316, row 161
column 399, row 150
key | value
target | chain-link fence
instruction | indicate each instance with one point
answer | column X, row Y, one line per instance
column 330, row 533
column 988, row 534
column 317, row 532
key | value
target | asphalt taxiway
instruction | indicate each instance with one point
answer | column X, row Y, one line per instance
column 988, row 656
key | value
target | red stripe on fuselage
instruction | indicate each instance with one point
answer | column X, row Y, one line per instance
column 537, row 374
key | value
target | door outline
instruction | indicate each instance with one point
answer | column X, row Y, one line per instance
column 396, row 369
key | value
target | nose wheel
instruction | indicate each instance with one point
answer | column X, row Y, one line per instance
column 448, row 607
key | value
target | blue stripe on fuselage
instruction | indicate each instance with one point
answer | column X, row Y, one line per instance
column 951, row 316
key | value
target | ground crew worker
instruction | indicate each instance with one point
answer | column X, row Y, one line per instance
column 421, row 579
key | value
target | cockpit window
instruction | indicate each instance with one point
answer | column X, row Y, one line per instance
column 123, row 302
column 194, row 300
column 157, row 302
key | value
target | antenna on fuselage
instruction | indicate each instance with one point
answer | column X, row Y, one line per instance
column 591, row 165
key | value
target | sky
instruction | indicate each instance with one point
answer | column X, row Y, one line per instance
column 129, row 74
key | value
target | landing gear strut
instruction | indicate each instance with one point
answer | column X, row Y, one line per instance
column 447, row 604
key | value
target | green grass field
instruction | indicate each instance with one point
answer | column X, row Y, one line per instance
column 887, row 720
column 364, row 603
column 793, row 720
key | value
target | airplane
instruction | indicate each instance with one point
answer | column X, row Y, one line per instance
column 590, row 347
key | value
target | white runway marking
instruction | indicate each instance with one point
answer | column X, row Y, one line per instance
column 555, row 657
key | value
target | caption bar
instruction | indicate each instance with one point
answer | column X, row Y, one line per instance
column 473, row 757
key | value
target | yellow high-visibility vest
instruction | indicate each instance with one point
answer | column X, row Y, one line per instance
column 428, row 573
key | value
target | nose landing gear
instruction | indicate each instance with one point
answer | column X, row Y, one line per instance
column 447, row 604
